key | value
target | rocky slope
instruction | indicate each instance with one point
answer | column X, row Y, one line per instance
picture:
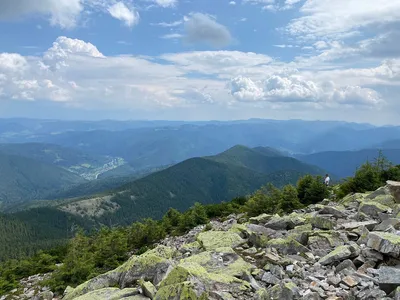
column 334, row 250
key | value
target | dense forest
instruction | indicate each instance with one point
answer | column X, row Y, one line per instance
column 85, row 256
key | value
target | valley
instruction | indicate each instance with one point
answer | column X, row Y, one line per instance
column 88, row 177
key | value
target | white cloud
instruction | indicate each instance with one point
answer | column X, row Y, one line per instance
column 121, row 12
column 286, row 46
column 201, row 28
column 342, row 18
column 172, row 36
column 63, row 13
column 385, row 45
column 166, row 3
column 223, row 63
column 295, row 88
column 274, row 5
column 232, row 3
column 76, row 73
column 67, row 13
column 166, row 24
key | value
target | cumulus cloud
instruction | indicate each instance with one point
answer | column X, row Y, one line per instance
column 77, row 73
column 342, row 18
column 276, row 88
column 63, row 13
column 67, row 13
column 120, row 11
column 202, row 28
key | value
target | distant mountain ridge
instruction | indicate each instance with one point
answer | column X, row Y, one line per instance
column 345, row 163
column 212, row 179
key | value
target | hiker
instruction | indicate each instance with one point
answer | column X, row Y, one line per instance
column 327, row 180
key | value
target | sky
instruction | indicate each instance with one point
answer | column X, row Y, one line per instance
column 201, row 59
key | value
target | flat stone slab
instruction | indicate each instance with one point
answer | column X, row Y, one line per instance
column 353, row 225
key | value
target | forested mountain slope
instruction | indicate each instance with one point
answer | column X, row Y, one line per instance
column 23, row 179
column 236, row 172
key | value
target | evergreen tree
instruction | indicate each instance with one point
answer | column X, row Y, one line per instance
column 290, row 200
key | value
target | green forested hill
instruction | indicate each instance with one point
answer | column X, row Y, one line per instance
column 236, row 172
column 53, row 154
column 264, row 160
column 25, row 232
column 23, row 179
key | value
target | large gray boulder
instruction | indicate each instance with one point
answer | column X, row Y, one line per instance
column 386, row 243
column 394, row 188
column 389, row 279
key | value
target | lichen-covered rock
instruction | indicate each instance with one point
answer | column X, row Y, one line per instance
column 322, row 223
column 151, row 266
column 199, row 278
column 394, row 188
column 372, row 208
column 321, row 242
column 287, row 246
column 211, row 240
column 354, row 225
column 386, row 243
column 395, row 222
column 112, row 294
column 285, row 222
column 183, row 290
column 261, row 219
column 46, row 295
column 340, row 253
column 337, row 212
column 224, row 261
column 194, row 247
column 149, row 290
column 287, row 291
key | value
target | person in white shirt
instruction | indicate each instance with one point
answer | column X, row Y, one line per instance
column 327, row 180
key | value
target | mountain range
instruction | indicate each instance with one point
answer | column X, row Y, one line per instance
column 344, row 163
column 212, row 179
column 112, row 173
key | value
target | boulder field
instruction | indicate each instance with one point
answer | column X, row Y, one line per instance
column 347, row 249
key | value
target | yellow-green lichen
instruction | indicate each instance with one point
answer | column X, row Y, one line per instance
column 180, row 291
column 211, row 240
column 188, row 271
column 386, row 200
column 191, row 246
column 110, row 294
column 208, row 260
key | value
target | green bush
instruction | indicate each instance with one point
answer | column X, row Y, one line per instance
column 370, row 176
column 311, row 190
column 264, row 200
column 290, row 200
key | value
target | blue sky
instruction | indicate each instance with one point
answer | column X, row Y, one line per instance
column 201, row 59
